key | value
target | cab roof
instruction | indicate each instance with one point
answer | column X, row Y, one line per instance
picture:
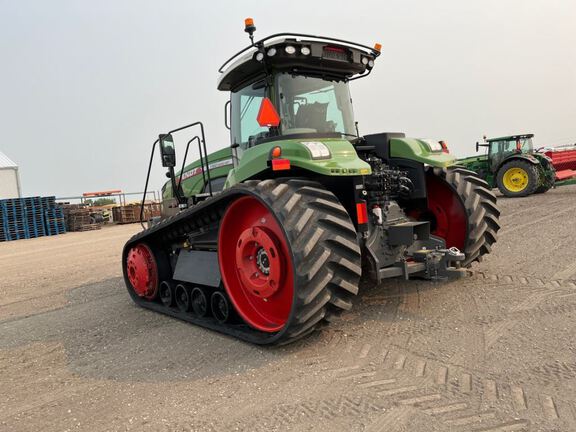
column 326, row 57
column 510, row 137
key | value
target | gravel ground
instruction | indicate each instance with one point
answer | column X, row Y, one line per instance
column 495, row 352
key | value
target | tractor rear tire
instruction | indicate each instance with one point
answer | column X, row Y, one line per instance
column 517, row 178
column 543, row 188
column 301, row 229
column 470, row 212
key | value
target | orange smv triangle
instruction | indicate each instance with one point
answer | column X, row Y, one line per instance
column 267, row 115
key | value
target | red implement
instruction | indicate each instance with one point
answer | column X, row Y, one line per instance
column 565, row 174
column 563, row 159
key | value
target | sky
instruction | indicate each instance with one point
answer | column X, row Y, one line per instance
column 86, row 87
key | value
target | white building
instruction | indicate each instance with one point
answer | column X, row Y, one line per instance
column 9, row 178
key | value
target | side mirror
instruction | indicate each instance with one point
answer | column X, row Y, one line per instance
column 167, row 151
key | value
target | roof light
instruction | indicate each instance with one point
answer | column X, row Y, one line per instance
column 318, row 150
column 377, row 47
column 249, row 26
column 290, row 49
column 305, row 50
column 271, row 52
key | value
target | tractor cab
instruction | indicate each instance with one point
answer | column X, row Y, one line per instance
column 500, row 149
column 512, row 165
column 293, row 86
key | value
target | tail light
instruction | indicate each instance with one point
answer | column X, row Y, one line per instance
column 362, row 213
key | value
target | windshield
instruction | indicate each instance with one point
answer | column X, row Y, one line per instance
column 314, row 105
column 511, row 146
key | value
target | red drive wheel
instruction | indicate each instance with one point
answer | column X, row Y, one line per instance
column 142, row 271
column 446, row 212
column 256, row 264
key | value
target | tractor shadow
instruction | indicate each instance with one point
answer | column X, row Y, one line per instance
column 106, row 336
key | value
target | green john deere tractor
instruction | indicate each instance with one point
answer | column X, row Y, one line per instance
column 512, row 165
column 269, row 238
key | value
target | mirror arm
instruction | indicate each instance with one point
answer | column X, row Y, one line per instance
column 146, row 185
column 152, row 158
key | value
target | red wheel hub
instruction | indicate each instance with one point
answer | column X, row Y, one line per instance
column 142, row 271
column 447, row 211
column 256, row 265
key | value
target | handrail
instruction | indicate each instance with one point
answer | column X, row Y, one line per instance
column 203, row 140
column 260, row 43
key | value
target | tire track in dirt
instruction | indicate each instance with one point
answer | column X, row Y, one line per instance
column 522, row 226
column 461, row 399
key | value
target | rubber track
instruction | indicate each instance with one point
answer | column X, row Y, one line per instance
column 326, row 254
column 481, row 208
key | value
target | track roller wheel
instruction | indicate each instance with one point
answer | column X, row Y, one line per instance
column 462, row 210
column 289, row 256
column 165, row 293
column 220, row 307
column 199, row 302
column 142, row 271
column 182, row 296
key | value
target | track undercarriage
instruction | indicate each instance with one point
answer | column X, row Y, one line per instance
column 270, row 261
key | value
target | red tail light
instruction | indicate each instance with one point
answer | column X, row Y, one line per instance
column 362, row 212
column 334, row 49
column 444, row 147
column 280, row 164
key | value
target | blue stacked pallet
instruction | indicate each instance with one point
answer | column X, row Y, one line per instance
column 24, row 218
column 14, row 223
column 34, row 216
column 54, row 219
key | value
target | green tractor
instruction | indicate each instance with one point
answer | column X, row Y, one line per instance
column 512, row 165
column 269, row 238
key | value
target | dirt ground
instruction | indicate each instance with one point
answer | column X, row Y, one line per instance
column 495, row 352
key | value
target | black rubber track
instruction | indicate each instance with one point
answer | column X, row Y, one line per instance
column 533, row 178
column 325, row 253
column 481, row 208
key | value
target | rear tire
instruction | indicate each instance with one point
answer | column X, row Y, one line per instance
column 308, row 235
column 473, row 203
column 517, row 178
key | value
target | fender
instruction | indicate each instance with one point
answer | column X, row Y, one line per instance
column 524, row 157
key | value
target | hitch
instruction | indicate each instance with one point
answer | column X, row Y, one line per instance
column 441, row 264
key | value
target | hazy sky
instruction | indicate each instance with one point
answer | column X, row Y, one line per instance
column 85, row 87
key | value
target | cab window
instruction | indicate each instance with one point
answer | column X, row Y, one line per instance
column 245, row 106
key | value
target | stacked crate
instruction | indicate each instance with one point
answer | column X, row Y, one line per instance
column 78, row 218
column 131, row 213
column 31, row 217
